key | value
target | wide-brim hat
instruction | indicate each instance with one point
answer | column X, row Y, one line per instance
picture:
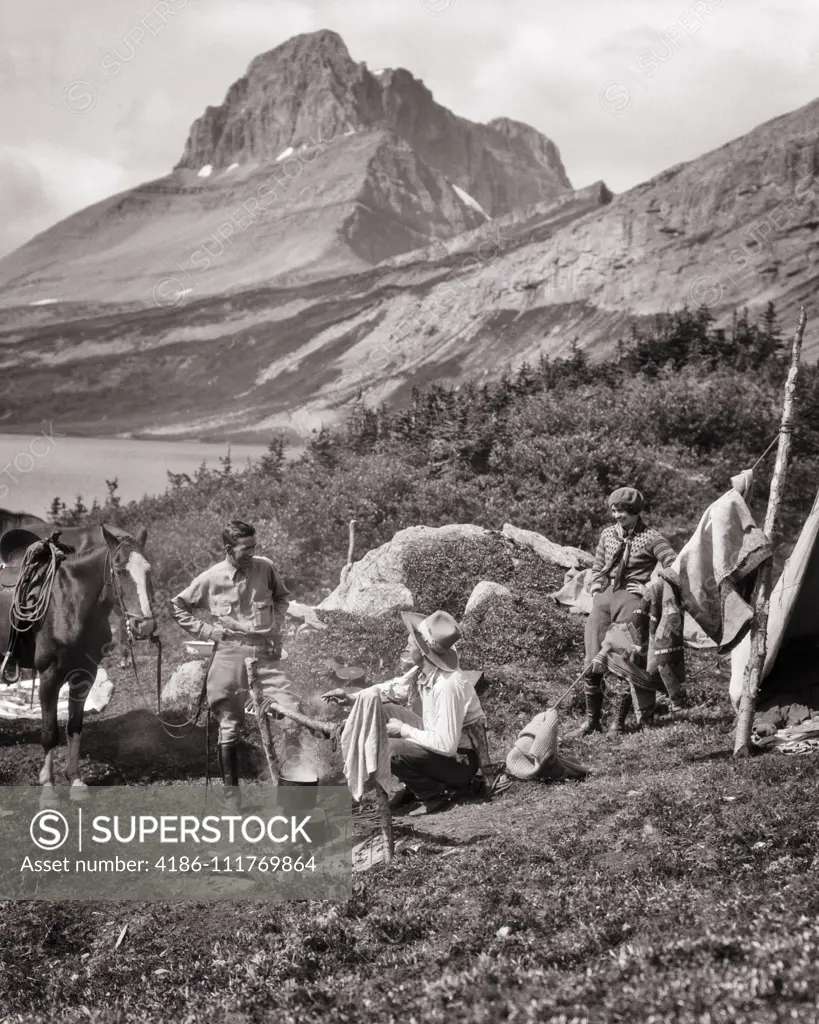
column 535, row 754
column 436, row 635
column 13, row 546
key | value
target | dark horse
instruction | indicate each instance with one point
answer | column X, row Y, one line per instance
column 14, row 520
column 107, row 569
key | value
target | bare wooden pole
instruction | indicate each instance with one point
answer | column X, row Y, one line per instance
column 385, row 817
column 350, row 552
column 316, row 725
column 263, row 721
column 761, row 599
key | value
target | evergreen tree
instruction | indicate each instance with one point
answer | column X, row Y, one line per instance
column 271, row 464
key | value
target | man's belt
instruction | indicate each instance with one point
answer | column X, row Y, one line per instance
column 249, row 640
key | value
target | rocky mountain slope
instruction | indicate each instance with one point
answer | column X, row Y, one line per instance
column 312, row 167
column 310, row 88
column 451, row 293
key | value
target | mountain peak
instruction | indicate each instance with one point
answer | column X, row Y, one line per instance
column 309, row 87
column 307, row 49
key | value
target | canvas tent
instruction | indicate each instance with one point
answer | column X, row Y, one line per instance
column 791, row 669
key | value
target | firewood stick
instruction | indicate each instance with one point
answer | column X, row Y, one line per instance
column 326, row 729
column 351, row 545
column 761, row 599
column 264, row 722
column 385, row 816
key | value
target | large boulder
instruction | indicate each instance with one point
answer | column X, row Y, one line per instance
column 306, row 614
column 483, row 592
column 376, row 585
column 568, row 557
column 185, row 685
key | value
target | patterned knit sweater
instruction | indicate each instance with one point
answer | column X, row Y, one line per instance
column 648, row 547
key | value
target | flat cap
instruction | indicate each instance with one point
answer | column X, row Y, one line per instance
column 628, row 497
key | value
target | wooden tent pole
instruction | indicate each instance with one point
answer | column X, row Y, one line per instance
column 761, row 598
column 351, row 544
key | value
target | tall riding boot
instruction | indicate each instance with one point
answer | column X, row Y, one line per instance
column 646, row 720
column 229, row 767
column 618, row 723
column 645, row 700
column 594, row 709
column 675, row 688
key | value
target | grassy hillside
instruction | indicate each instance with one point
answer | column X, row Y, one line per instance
column 673, row 884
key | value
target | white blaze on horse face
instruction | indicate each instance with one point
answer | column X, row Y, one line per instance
column 139, row 569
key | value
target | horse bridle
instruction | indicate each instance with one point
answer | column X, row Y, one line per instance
column 112, row 581
column 172, row 729
column 129, row 617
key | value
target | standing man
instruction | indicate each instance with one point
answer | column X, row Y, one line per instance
column 244, row 602
column 626, row 557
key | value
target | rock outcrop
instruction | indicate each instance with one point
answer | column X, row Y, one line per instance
column 377, row 585
column 185, row 685
column 568, row 557
column 486, row 591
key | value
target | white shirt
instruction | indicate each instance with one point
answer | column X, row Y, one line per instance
column 448, row 703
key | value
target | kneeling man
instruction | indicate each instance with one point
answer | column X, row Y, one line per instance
column 427, row 710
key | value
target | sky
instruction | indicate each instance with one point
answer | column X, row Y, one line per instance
column 98, row 95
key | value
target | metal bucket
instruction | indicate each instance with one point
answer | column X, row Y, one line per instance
column 300, row 771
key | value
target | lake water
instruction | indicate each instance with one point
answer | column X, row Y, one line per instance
column 33, row 470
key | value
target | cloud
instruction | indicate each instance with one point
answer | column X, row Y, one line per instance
column 46, row 183
column 25, row 207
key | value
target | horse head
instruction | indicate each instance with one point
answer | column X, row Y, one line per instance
column 130, row 578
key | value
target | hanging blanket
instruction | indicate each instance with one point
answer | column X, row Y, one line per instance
column 724, row 553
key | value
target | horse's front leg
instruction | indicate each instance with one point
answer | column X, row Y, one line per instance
column 51, row 680
column 79, row 684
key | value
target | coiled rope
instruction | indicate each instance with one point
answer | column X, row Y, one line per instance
column 28, row 610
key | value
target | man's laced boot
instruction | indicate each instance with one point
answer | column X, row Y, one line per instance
column 594, row 711
column 618, row 722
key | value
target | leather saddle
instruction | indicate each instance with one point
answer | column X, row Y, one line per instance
column 14, row 544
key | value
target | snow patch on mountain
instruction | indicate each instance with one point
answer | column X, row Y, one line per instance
column 465, row 197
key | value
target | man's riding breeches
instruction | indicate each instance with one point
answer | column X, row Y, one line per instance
column 228, row 689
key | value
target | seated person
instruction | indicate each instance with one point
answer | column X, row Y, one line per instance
column 626, row 556
column 427, row 710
